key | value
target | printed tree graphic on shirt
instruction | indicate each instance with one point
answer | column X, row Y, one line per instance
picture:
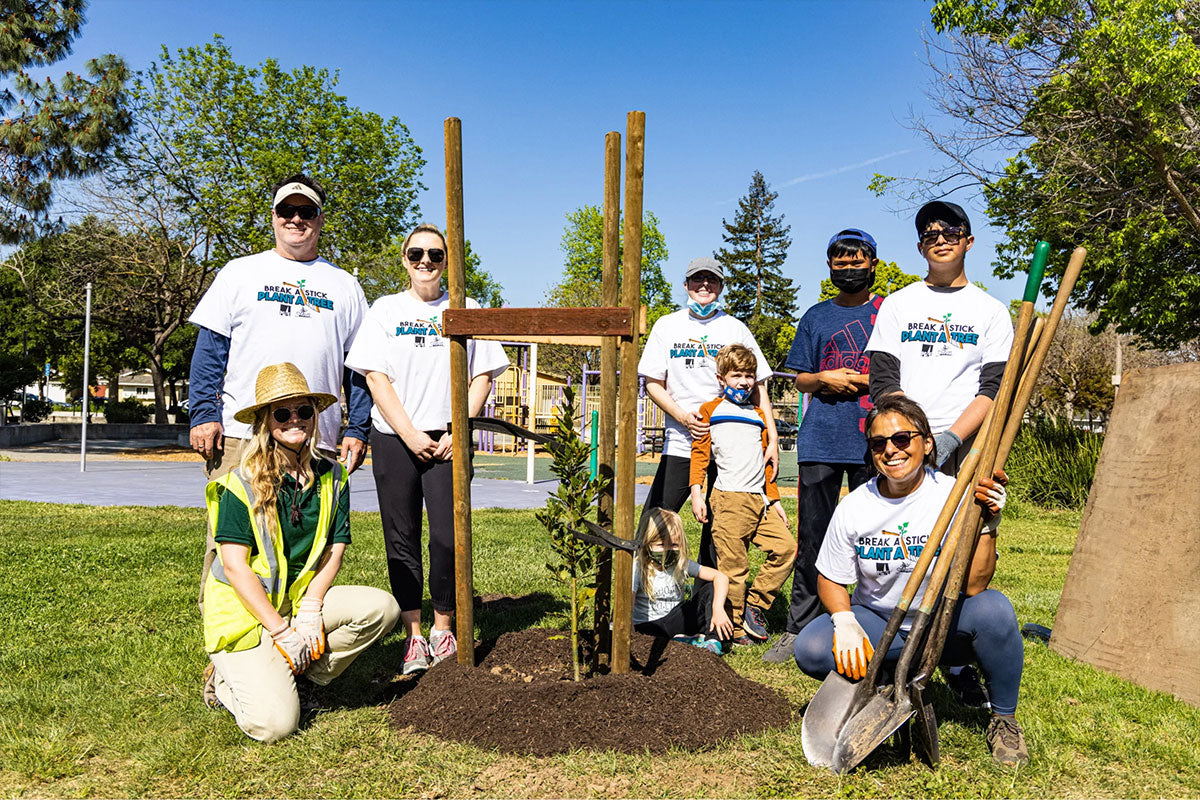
column 900, row 535
column 703, row 342
column 945, row 323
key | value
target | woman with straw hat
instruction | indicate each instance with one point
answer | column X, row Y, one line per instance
column 282, row 522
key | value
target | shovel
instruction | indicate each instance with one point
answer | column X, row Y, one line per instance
column 838, row 699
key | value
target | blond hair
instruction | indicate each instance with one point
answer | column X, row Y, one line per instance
column 424, row 227
column 736, row 357
column 264, row 466
column 660, row 525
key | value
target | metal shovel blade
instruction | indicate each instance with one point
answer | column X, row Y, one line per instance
column 925, row 735
column 827, row 712
column 869, row 728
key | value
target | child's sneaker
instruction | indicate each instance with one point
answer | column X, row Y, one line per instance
column 754, row 623
column 967, row 686
column 444, row 645
column 683, row 638
column 711, row 645
column 742, row 641
column 416, row 655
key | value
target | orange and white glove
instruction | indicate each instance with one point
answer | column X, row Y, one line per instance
column 852, row 649
column 293, row 647
column 311, row 625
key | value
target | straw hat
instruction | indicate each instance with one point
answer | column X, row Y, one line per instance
column 281, row 382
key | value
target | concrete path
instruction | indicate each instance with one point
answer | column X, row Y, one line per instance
column 130, row 482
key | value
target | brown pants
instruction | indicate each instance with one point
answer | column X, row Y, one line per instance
column 739, row 519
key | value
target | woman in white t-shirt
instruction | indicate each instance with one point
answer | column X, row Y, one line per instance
column 406, row 360
column 874, row 540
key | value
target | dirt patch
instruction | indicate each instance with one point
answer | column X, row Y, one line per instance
column 168, row 452
column 520, row 699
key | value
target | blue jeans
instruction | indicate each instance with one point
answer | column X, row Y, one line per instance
column 984, row 629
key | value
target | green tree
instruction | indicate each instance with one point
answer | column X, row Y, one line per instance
column 1091, row 106
column 219, row 134
column 756, row 291
column 66, row 129
column 888, row 278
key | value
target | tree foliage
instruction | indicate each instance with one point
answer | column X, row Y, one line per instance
column 50, row 130
column 1077, row 118
column 756, row 291
column 573, row 501
column 888, row 278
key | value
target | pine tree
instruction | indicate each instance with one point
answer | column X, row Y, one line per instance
column 756, row 291
column 65, row 130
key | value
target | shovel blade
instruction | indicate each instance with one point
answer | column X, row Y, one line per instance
column 925, row 735
column 827, row 712
column 868, row 729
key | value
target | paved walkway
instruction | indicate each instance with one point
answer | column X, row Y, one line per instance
column 110, row 481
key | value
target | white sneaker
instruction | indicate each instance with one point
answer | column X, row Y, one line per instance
column 444, row 645
column 416, row 655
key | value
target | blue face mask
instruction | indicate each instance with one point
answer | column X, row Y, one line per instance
column 738, row 396
column 706, row 310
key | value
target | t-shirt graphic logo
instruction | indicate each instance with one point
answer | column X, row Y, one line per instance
column 900, row 536
column 304, row 302
column 843, row 350
column 945, row 338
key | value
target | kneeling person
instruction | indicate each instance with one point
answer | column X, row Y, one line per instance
column 274, row 625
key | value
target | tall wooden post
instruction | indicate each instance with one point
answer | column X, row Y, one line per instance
column 464, row 579
column 631, row 291
column 608, row 384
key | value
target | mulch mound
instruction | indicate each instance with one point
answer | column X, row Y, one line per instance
column 521, row 699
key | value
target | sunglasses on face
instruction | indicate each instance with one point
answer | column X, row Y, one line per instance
column 951, row 235
column 304, row 412
column 711, row 280
column 901, row 439
column 436, row 254
column 285, row 211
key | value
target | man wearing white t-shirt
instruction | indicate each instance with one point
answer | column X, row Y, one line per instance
column 680, row 368
column 282, row 305
column 942, row 341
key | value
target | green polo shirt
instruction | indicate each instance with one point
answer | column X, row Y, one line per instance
column 233, row 520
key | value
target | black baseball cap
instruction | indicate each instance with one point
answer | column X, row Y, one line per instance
column 947, row 212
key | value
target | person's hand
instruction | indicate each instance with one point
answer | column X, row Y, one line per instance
column 991, row 494
column 771, row 456
column 353, row 451
column 207, row 438
column 420, row 444
column 445, row 448
column 778, row 506
column 311, row 625
column 838, row 382
column 696, row 426
column 945, row 443
column 721, row 624
column 852, row 649
column 293, row 647
column 699, row 509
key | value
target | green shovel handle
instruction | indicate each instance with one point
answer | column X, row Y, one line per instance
column 1037, row 269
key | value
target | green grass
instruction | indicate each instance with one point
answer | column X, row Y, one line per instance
column 100, row 664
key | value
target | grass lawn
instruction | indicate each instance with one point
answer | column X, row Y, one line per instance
column 100, row 663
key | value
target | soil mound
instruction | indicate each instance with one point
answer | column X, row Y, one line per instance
column 521, row 699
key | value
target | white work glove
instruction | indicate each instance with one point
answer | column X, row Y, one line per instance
column 852, row 649
column 293, row 647
column 311, row 626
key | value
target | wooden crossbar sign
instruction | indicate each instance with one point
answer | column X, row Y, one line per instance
column 578, row 326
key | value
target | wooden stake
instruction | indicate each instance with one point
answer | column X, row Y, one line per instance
column 464, row 582
column 608, row 387
column 631, row 291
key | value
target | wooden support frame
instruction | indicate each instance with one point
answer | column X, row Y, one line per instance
column 604, row 326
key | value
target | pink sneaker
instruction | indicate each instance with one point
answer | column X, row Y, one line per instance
column 416, row 655
column 444, row 645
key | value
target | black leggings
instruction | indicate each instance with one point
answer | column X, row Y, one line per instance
column 691, row 617
column 402, row 481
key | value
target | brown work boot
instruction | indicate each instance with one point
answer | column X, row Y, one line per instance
column 210, row 690
column 1007, row 740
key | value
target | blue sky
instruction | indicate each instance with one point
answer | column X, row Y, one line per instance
column 816, row 95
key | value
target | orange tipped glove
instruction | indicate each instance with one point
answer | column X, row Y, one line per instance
column 852, row 649
column 293, row 647
column 311, row 626
column 991, row 494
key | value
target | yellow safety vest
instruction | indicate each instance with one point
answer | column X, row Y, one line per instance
column 229, row 625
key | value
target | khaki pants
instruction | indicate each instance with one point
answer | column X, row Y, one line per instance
column 739, row 519
column 258, row 687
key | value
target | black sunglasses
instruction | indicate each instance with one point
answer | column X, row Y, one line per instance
column 285, row 211
column 951, row 235
column 304, row 412
column 902, row 439
column 436, row 255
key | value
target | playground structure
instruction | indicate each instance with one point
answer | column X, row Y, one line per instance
column 612, row 327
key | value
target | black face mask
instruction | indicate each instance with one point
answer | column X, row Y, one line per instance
column 851, row 280
column 665, row 560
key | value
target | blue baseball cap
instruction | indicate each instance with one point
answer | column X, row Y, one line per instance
column 852, row 235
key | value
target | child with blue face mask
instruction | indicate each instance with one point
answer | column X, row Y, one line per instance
column 744, row 499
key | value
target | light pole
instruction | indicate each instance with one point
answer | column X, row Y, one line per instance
column 87, row 352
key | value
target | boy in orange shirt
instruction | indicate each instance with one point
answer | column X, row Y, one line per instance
column 745, row 500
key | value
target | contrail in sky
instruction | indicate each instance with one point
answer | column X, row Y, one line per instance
column 812, row 176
